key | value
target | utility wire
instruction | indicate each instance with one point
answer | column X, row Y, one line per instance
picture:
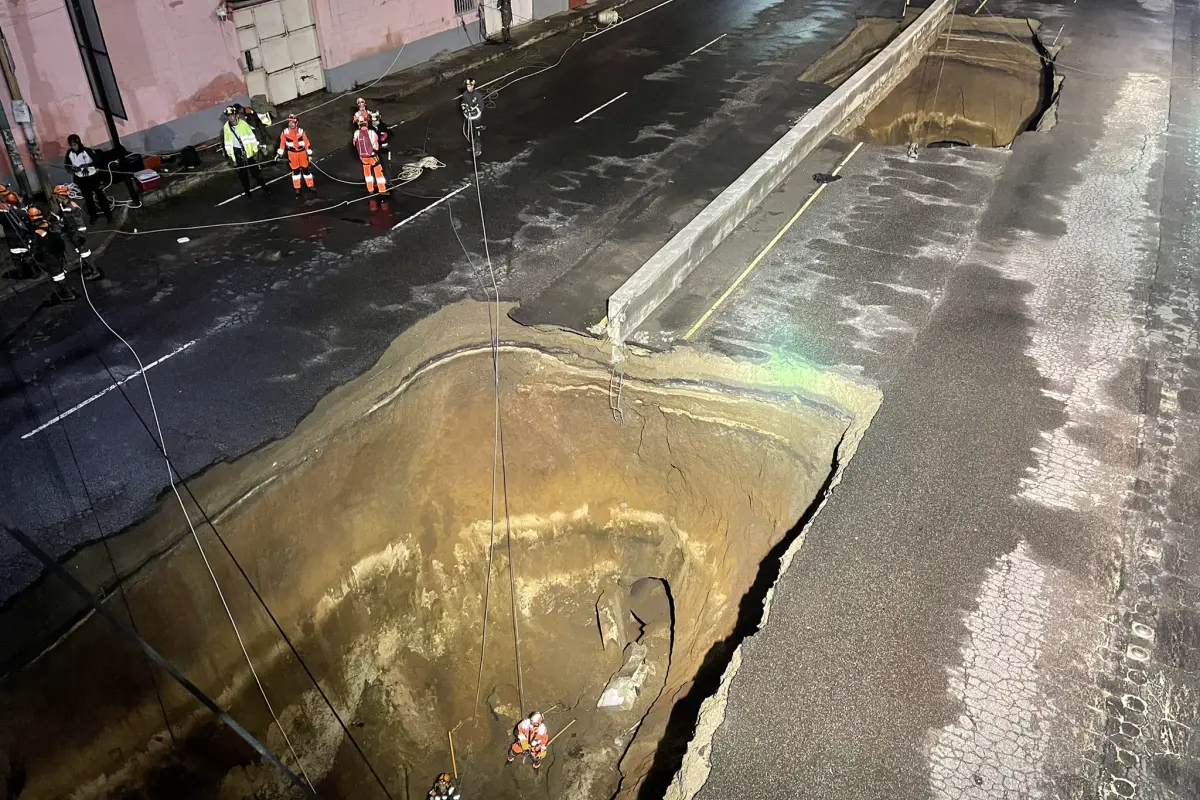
column 236, row 562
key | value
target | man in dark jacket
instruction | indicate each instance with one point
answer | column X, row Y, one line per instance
column 84, row 164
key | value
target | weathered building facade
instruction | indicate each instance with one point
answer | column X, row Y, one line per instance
column 177, row 63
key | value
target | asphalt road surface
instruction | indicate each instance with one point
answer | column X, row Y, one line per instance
column 245, row 327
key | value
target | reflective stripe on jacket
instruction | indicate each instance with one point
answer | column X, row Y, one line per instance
column 242, row 134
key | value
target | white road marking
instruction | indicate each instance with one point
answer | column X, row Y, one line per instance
column 714, row 41
column 594, row 110
column 287, row 174
column 493, row 80
column 630, row 19
column 434, row 204
column 107, row 389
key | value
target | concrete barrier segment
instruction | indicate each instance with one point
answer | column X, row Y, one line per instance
column 637, row 298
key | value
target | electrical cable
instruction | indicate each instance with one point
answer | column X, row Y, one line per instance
column 154, row 656
column 162, row 443
column 229, row 552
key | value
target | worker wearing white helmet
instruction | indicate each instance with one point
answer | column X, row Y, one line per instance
column 532, row 740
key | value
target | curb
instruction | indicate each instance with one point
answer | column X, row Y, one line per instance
column 644, row 291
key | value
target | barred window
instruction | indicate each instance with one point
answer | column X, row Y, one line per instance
column 463, row 7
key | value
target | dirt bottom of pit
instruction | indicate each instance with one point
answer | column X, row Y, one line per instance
column 617, row 555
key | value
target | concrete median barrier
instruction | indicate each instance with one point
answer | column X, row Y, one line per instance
column 647, row 288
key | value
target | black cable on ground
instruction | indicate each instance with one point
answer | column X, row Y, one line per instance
column 249, row 582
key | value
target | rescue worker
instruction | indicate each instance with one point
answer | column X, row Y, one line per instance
column 241, row 148
column 532, row 740
column 375, row 122
column 443, row 789
column 83, row 164
column 68, row 225
column 366, row 144
column 49, row 252
column 294, row 142
column 17, row 235
column 472, row 110
column 259, row 123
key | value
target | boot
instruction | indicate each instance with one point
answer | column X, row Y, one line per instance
column 91, row 272
column 61, row 294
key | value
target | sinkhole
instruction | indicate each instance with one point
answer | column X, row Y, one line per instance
column 651, row 504
column 982, row 82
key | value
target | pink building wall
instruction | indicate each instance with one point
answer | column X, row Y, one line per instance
column 354, row 29
column 172, row 59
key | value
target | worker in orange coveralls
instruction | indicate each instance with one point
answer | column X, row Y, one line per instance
column 532, row 740
column 294, row 142
column 366, row 144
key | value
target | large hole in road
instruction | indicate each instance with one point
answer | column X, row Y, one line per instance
column 649, row 512
column 982, row 82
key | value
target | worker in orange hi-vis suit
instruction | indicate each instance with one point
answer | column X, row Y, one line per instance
column 366, row 144
column 294, row 142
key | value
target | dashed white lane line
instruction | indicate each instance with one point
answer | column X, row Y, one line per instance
column 107, row 389
column 273, row 180
column 493, row 80
column 606, row 105
column 622, row 22
column 714, row 41
column 434, row 204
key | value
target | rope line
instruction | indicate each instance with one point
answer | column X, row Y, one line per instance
column 499, row 434
column 196, row 537
column 237, row 563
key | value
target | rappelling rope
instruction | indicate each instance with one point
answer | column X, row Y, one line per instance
column 162, row 446
column 498, row 439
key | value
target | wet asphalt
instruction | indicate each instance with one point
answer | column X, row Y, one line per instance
column 256, row 323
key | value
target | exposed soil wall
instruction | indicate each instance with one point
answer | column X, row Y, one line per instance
column 368, row 533
column 983, row 81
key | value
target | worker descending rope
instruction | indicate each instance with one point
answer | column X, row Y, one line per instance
column 443, row 789
column 294, row 142
column 366, row 144
column 532, row 740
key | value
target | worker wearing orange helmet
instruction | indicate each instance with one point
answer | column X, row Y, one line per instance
column 443, row 789
column 367, row 145
column 68, row 225
column 374, row 122
column 532, row 740
column 17, row 235
column 294, row 142
column 49, row 252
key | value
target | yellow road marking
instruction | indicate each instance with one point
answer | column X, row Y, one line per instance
column 770, row 246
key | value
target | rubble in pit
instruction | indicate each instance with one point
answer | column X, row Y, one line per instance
column 638, row 523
